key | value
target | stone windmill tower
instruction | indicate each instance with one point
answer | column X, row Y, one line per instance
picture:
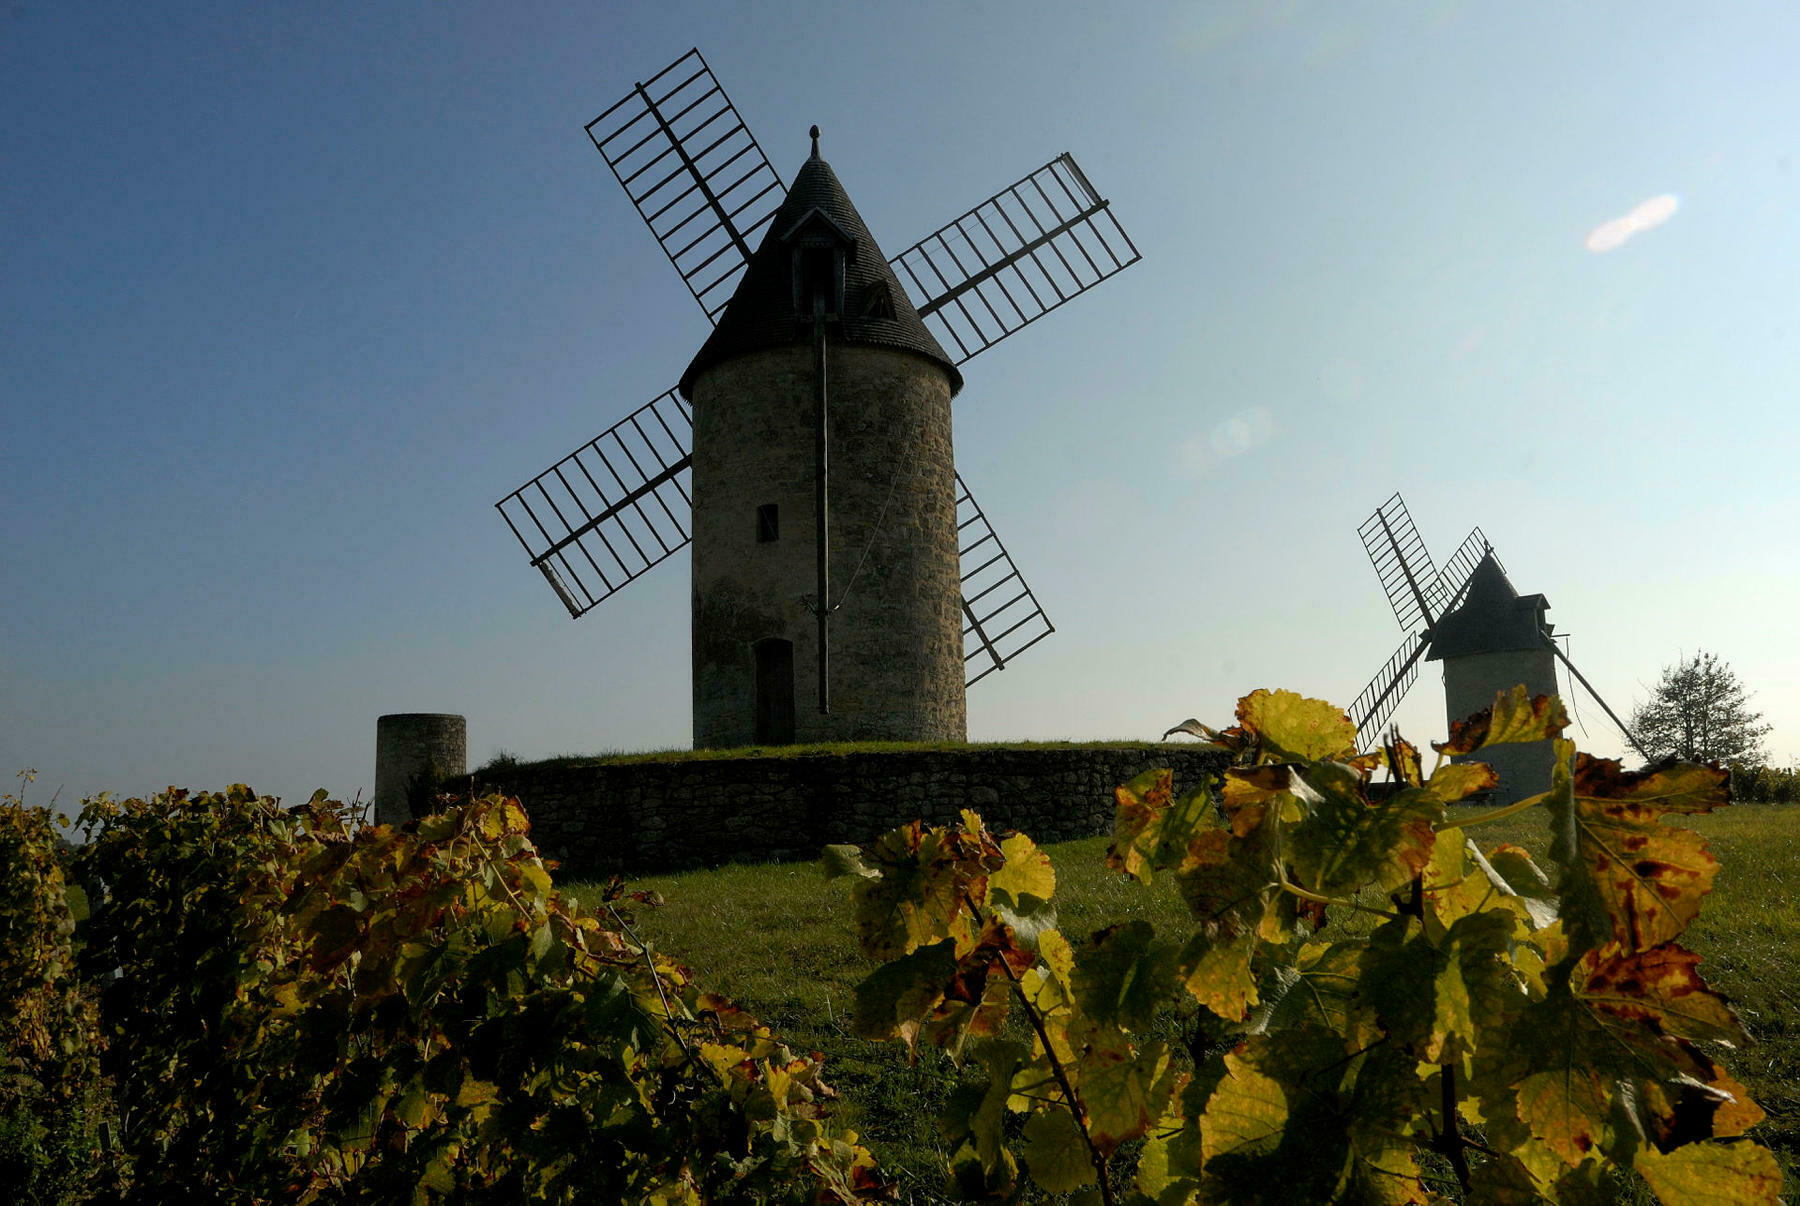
column 822, row 402
column 806, row 452
column 1493, row 640
column 1489, row 637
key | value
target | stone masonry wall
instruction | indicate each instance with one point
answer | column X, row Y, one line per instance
column 896, row 640
column 407, row 742
column 656, row 816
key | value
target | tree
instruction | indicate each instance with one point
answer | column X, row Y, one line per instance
column 1700, row 712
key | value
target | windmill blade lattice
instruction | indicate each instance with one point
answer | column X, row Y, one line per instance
column 1376, row 702
column 612, row 509
column 1403, row 564
column 1012, row 259
column 695, row 173
column 1001, row 617
column 1454, row 579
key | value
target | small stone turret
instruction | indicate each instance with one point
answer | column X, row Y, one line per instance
column 408, row 744
column 820, row 322
column 1495, row 640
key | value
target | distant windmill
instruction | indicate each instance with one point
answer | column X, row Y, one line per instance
column 1489, row 637
column 822, row 395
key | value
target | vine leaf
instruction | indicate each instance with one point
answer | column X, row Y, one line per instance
column 1219, row 975
column 1454, row 781
column 1430, row 997
column 925, row 879
column 1347, row 840
column 1293, row 728
column 1124, row 1092
column 1226, row 879
column 1151, row 830
column 1055, row 1154
column 896, row 998
column 1026, row 874
column 1514, row 717
column 1712, row 1174
column 1628, row 878
column 1662, row 986
column 1123, row 973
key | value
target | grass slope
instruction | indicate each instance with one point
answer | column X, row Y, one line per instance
column 781, row 940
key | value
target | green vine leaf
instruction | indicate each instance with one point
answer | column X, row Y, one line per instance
column 1123, row 974
column 1346, row 840
column 1055, row 1153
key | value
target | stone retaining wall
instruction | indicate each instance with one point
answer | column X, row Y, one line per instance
column 656, row 816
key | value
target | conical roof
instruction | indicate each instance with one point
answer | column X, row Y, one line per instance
column 762, row 313
column 1492, row 618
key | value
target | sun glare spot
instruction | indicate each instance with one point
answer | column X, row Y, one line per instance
column 1645, row 215
column 1230, row 437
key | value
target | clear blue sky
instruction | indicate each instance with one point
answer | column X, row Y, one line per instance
column 291, row 294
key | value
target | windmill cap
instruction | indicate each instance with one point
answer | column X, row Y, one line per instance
column 1492, row 617
column 762, row 313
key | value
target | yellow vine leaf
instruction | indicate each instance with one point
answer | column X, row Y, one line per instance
column 1712, row 1174
column 1293, row 728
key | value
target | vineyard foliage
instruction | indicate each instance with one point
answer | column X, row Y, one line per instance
column 216, row 998
column 291, row 1008
column 1388, row 1014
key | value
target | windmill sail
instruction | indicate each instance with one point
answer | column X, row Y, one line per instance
column 1014, row 258
column 1454, row 579
column 1001, row 617
column 696, row 175
column 1377, row 701
column 1403, row 564
column 613, row 508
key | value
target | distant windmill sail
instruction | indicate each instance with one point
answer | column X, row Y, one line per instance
column 1401, row 561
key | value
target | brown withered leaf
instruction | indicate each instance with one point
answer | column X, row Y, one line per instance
column 1662, row 986
column 1631, row 879
column 1152, row 829
column 1684, row 787
column 1226, row 882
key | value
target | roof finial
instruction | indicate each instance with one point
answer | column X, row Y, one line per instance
column 815, row 137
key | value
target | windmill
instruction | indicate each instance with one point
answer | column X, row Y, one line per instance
column 1468, row 616
column 823, row 390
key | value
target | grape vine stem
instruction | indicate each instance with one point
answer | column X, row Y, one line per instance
column 1062, row 1077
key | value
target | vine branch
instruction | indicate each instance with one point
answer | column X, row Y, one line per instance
column 1095, row 1157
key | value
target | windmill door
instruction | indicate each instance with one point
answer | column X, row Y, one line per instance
column 774, row 692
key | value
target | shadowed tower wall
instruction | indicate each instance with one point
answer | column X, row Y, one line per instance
column 896, row 642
